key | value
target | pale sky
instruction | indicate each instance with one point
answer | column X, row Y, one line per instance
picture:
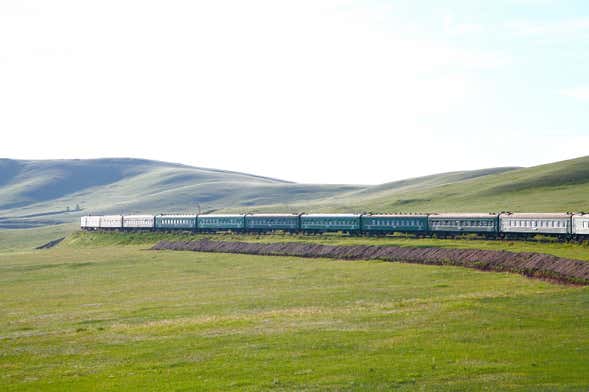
column 319, row 91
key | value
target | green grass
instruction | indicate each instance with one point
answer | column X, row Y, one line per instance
column 27, row 239
column 567, row 250
column 92, row 315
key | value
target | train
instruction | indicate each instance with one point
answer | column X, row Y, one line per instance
column 564, row 226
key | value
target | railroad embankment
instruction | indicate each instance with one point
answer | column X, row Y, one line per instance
column 534, row 265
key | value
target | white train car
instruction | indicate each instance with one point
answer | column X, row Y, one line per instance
column 581, row 224
column 142, row 222
column 536, row 223
column 111, row 222
column 90, row 222
column 463, row 223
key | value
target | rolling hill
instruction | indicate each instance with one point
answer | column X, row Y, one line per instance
column 38, row 193
column 34, row 193
column 560, row 186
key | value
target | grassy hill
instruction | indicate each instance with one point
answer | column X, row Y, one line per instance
column 38, row 193
column 34, row 193
column 560, row 186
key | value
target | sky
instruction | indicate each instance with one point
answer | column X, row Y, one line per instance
column 315, row 91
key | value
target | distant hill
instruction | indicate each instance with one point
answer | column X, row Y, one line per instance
column 40, row 192
column 560, row 186
column 37, row 193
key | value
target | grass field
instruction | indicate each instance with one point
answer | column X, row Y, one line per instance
column 19, row 240
column 96, row 314
column 567, row 250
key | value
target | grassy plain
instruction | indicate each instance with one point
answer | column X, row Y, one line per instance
column 99, row 312
column 567, row 250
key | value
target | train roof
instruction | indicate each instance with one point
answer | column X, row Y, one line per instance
column 461, row 215
column 176, row 216
column 221, row 216
column 273, row 215
column 395, row 215
column 538, row 215
column 138, row 216
column 330, row 215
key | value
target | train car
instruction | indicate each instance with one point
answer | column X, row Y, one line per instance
column 111, row 222
column 175, row 222
column 272, row 222
column 528, row 224
column 90, row 222
column 580, row 227
column 394, row 223
column 220, row 222
column 460, row 223
column 322, row 223
column 138, row 222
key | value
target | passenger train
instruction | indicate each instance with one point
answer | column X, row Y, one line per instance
column 491, row 225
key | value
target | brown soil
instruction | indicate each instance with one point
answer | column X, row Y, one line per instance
column 536, row 265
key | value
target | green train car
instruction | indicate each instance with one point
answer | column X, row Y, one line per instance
column 323, row 223
column 221, row 222
column 175, row 222
column 393, row 223
column 272, row 222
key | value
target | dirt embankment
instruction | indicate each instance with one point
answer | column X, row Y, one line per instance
column 534, row 265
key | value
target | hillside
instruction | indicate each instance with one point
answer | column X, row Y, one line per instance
column 560, row 186
column 38, row 193
column 35, row 193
